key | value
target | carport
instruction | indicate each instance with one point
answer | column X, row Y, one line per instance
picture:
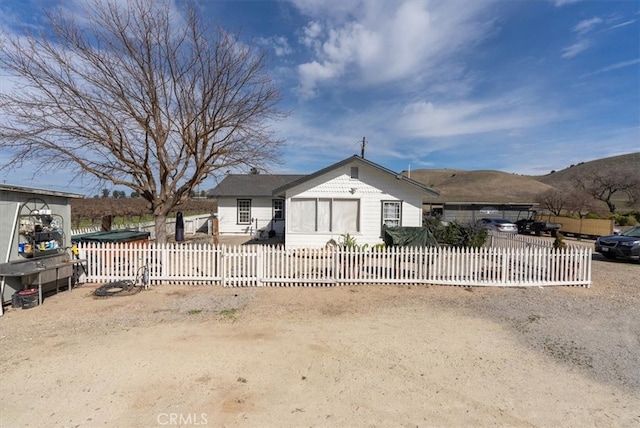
column 465, row 212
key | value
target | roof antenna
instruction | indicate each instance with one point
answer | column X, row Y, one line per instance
column 362, row 146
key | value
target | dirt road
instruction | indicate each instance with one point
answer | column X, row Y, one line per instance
column 344, row 356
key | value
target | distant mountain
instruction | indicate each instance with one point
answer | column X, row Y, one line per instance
column 497, row 186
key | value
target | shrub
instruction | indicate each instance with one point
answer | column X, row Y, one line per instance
column 432, row 223
column 461, row 235
column 347, row 241
column 624, row 220
column 558, row 243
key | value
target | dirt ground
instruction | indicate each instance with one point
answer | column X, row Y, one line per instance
column 359, row 356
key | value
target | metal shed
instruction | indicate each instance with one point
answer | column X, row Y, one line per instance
column 464, row 212
column 35, row 230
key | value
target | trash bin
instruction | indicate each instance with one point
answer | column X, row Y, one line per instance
column 29, row 298
column 16, row 300
column 179, row 227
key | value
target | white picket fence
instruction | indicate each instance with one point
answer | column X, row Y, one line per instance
column 258, row 265
column 510, row 240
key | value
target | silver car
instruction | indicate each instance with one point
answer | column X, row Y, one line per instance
column 499, row 225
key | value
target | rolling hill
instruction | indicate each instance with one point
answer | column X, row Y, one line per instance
column 497, row 186
column 630, row 163
column 480, row 186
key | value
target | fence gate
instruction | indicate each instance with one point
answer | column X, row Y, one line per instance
column 242, row 266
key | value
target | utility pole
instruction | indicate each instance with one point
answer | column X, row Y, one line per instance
column 362, row 146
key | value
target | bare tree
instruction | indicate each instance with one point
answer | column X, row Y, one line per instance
column 604, row 185
column 138, row 95
column 553, row 200
column 580, row 203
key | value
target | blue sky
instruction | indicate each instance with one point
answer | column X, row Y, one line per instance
column 517, row 86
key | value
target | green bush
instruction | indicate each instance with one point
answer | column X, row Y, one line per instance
column 624, row 220
column 461, row 235
column 347, row 241
column 432, row 223
column 558, row 242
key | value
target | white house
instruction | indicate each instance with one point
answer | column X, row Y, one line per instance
column 354, row 196
column 246, row 203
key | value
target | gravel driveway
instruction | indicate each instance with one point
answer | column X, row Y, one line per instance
column 329, row 356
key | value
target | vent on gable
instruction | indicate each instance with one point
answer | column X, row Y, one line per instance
column 354, row 172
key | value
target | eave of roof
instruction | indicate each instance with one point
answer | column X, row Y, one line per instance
column 35, row 191
column 280, row 190
column 251, row 185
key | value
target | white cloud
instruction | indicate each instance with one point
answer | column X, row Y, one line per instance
column 559, row 3
column 616, row 66
column 425, row 119
column 312, row 32
column 311, row 72
column 280, row 45
column 622, row 24
column 83, row 11
column 373, row 42
column 575, row 49
column 586, row 25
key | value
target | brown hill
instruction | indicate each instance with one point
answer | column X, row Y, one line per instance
column 480, row 186
column 497, row 186
column 629, row 163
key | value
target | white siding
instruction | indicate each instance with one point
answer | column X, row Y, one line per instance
column 261, row 212
column 372, row 187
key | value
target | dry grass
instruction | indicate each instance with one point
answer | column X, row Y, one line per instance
column 564, row 178
column 497, row 186
column 480, row 186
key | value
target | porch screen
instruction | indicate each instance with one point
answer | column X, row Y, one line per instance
column 302, row 215
column 324, row 215
column 345, row 216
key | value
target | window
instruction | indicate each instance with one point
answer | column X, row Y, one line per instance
column 344, row 215
column 324, row 215
column 354, row 172
column 278, row 209
column 302, row 215
column 391, row 213
column 244, row 211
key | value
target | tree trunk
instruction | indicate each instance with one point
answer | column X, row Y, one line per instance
column 161, row 228
column 610, row 205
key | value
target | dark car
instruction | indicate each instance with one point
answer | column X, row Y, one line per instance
column 625, row 246
column 531, row 225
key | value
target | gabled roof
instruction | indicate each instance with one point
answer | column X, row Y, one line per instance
column 280, row 190
column 251, row 185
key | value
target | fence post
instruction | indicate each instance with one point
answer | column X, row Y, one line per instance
column 223, row 265
column 260, row 266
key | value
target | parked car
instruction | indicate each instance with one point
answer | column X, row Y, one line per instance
column 625, row 245
column 499, row 225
